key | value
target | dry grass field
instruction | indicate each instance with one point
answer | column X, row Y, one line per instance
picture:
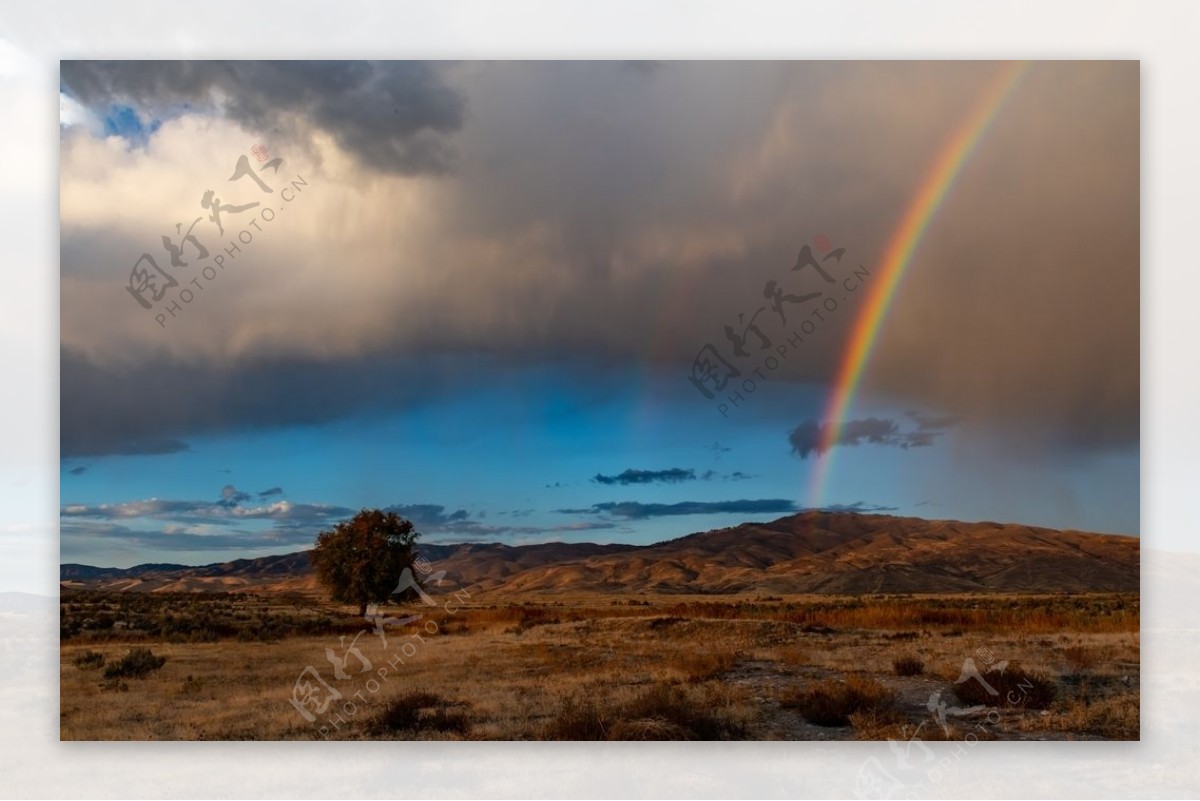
column 226, row 666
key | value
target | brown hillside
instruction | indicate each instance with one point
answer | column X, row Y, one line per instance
column 813, row 552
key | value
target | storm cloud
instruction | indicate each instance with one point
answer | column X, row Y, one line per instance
column 145, row 407
column 395, row 116
column 599, row 213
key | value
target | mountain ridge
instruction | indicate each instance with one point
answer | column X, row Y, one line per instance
column 809, row 552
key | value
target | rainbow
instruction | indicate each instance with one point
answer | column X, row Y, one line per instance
column 897, row 257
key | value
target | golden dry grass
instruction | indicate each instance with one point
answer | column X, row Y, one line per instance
column 591, row 668
column 842, row 703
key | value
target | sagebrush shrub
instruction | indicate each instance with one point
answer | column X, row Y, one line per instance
column 135, row 664
column 908, row 665
column 831, row 703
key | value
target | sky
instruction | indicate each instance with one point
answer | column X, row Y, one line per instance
column 478, row 293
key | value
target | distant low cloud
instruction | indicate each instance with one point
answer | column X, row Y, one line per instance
column 174, row 538
column 436, row 524
column 673, row 475
column 233, row 525
column 225, row 511
column 473, row 531
column 811, row 436
column 512, row 513
column 77, row 471
column 273, row 491
column 736, row 475
column 641, row 511
column 858, row 506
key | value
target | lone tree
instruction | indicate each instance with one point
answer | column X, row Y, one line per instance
column 360, row 561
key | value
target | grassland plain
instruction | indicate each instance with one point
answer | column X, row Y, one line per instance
column 752, row 667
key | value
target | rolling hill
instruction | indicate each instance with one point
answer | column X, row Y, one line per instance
column 811, row 552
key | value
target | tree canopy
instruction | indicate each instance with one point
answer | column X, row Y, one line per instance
column 360, row 561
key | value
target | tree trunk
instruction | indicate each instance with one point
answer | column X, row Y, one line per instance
column 362, row 608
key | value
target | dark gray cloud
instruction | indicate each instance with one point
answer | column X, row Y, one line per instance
column 640, row 511
column 232, row 496
column 559, row 236
column 429, row 515
column 810, row 436
column 934, row 423
column 394, row 115
column 146, row 408
column 672, row 475
column 736, row 475
column 139, row 446
column 269, row 493
column 111, row 409
column 77, row 471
